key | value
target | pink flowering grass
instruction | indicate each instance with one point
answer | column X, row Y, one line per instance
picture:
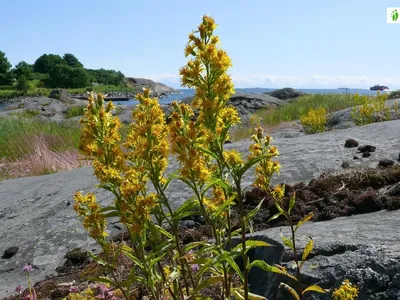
column 44, row 154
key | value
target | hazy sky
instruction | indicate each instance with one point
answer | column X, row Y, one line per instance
column 272, row 43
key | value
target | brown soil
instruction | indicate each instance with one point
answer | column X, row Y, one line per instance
column 329, row 196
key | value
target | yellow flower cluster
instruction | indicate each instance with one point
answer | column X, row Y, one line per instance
column 186, row 137
column 93, row 219
column 147, row 137
column 315, row 120
column 100, row 140
column 266, row 167
column 346, row 291
column 217, row 199
column 206, row 72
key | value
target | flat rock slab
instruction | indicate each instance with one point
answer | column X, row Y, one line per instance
column 36, row 213
column 363, row 248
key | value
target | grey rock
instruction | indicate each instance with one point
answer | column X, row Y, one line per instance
column 366, row 253
column 366, row 154
column 156, row 87
column 36, row 218
column 350, row 143
column 384, row 163
column 10, row 252
column 60, row 94
column 366, row 148
column 285, row 94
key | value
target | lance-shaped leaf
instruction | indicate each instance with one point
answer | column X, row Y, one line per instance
column 252, row 162
column 291, row 290
column 224, row 205
column 303, row 220
column 307, row 250
column 186, row 209
column 315, row 288
column 292, row 202
column 209, row 281
column 266, row 267
column 251, row 244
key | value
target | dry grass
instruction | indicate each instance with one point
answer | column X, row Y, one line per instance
column 41, row 159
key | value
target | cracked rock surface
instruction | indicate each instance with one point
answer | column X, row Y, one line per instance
column 36, row 215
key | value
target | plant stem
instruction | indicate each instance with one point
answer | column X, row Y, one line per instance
column 295, row 257
column 243, row 226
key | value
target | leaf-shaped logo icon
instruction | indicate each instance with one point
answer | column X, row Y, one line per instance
column 395, row 15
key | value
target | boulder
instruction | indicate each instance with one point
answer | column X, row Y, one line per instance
column 159, row 89
column 60, row 94
column 285, row 93
column 365, row 252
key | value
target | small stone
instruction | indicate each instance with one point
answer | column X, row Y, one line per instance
column 366, row 154
column 384, row 163
column 351, row 143
column 10, row 252
column 345, row 165
column 355, row 157
column 366, row 148
column 227, row 142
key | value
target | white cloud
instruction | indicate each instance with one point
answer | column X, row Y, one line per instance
column 278, row 81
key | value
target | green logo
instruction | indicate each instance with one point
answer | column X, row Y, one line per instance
column 395, row 15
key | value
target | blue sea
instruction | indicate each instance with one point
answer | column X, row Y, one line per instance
column 189, row 92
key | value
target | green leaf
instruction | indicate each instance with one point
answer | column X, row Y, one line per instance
column 307, row 249
column 268, row 268
column 224, row 205
column 303, row 220
column 315, row 288
column 254, row 211
column 192, row 245
column 96, row 258
column 103, row 280
column 209, row 152
column 252, row 296
column 239, row 294
column 169, row 179
column 287, row 242
column 186, row 209
column 235, row 267
column 292, row 202
column 275, row 216
column 163, row 231
column 209, row 281
column 112, row 214
column 291, row 290
column 108, row 208
column 128, row 252
column 251, row 163
column 252, row 244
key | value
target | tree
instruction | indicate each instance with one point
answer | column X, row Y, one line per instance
column 72, row 61
column 5, row 66
column 22, row 84
column 63, row 76
column 45, row 63
column 23, row 69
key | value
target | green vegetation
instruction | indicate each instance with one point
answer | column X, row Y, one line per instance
column 314, row 121
column 15, row 131
column 75, row 111
column 27, row 113
column 53, row 71
column 300, row 107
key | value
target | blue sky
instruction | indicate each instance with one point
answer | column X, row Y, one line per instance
column 304, row 44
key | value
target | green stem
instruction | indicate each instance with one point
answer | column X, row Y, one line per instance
column 295, row 256
column 243, row 225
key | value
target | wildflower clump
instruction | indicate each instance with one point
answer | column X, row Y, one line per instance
column 135, row 171
column 314, row 121
column 346, row 291
column 366, row 112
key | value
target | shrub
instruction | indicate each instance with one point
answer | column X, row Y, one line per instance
column 166, row 268
column 22, row 84
column 315, row 120
column 366, row 113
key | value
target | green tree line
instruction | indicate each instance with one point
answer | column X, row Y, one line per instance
column 54, row 71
